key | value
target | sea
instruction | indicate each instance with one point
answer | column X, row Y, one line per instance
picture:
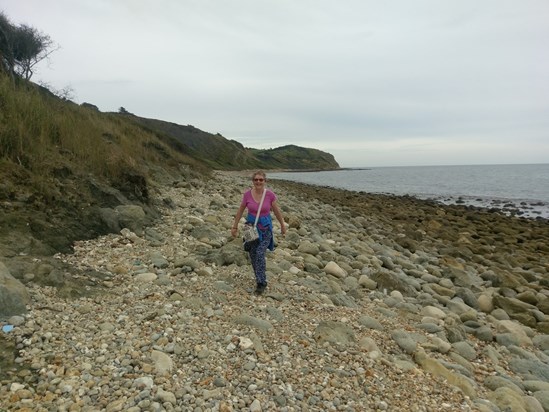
column 518, row 189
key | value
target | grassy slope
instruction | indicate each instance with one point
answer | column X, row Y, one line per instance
column 60, row 163
column 221, row 153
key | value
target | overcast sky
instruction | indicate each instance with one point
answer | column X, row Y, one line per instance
column 375, row 83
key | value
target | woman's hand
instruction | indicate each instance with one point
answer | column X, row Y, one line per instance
column 234, row 231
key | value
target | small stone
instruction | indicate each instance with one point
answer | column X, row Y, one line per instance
column 255, row 406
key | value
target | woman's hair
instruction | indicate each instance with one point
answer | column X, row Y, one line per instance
column 260, row 173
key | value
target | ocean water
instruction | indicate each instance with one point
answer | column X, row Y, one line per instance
column 522, row 190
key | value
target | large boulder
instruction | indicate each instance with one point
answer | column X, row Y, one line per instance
column 14, row 297
column 394, row 281
column 131, row 217
column 333, row 332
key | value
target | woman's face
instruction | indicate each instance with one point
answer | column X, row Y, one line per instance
column 258, row 181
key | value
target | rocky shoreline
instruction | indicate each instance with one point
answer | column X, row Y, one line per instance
column 375, row 302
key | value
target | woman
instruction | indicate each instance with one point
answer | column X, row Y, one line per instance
column 251, row 200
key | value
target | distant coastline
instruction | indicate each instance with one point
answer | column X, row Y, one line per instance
column 339, row 169
column 521, row 190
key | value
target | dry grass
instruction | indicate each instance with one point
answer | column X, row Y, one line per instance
column 40, row 134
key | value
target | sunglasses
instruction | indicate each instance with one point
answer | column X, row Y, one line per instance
column 259, row 180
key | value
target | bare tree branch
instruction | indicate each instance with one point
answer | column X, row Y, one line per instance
column 22, row 48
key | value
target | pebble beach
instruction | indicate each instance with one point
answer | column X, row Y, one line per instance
column 374, row 303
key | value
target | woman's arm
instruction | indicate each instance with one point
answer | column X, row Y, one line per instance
column 239, row 212
column 279, row 217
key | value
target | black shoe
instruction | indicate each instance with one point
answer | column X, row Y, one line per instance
column 260, row 288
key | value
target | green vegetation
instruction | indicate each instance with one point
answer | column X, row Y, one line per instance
column 62, row 164
column 42, row 136
column 220, row 153
column 296, row 158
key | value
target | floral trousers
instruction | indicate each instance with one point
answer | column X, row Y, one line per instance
column 258, row 259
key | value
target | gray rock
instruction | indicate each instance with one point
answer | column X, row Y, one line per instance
column 408, row 307
column 332, row 268
column 206, row 232
column 131, row 217
column 457, row 306
column 465, row 349
column 512, row 305
column 507, row 339
column 484, row 333
column 334, row 332
column 462, row 278
column 462, row 366
column 535, row 386
column 387, row 312
column 433, row 312
column 430, row 327
column 441, row 290
column 153, row 236
column 500, row 314
column 145, row 277
column 455, row 333
column 165, row 396
column 309, row 248
column 530, row 369
column 523, row 353
column 404, row 341
column 370, row 322
column 391, row 281
column 534, row 405
column 186, row 261
column 342, row 299
column 350, row 283
column 528, row 296
column 316, row 285
column 543, row 399
column 162, row 362
column 13, row 294
column 16, row 320
column 223, row 286
column 436, row 368
column 260, row 324
column 485, row 303
column 468, row 297
column 160, row 262
column 495, row 382
column 275, row 313
column 110, row 218
column 506, row 399
column 541, row 342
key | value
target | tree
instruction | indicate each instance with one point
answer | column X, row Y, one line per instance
column 6, row 49
column 22, row 48
column 30, row 48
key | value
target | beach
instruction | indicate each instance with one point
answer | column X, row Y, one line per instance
column 375, row 302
